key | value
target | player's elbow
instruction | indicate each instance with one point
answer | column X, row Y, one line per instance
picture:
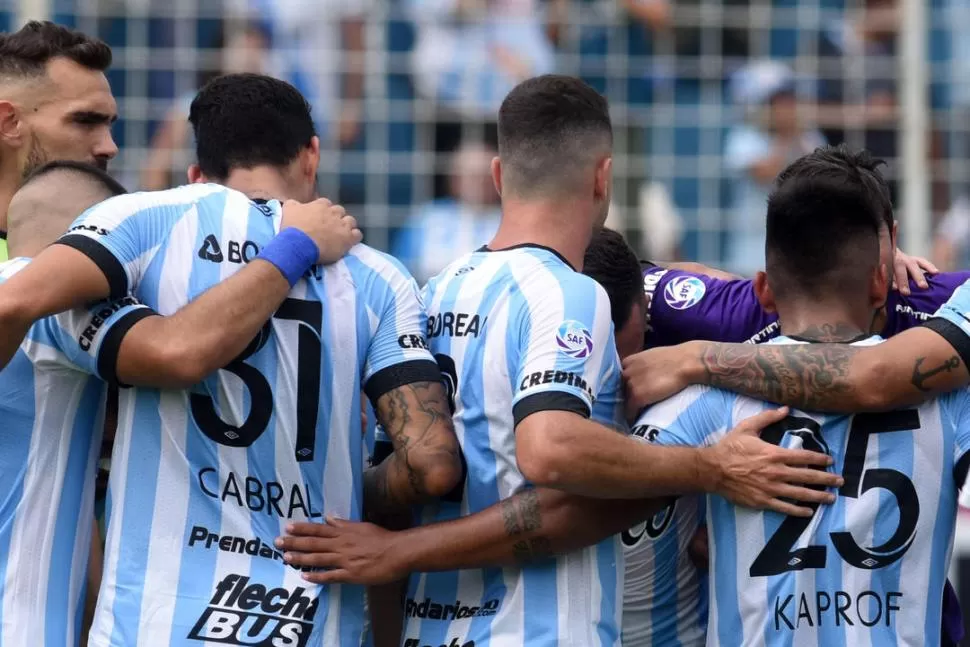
column 542, row 451
column 440, row 473
column 179, row 364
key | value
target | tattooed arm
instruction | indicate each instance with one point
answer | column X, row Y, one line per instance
column 424, row 461
column 905, row 370
column 532, row 525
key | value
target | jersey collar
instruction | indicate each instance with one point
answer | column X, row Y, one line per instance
column 486, row 248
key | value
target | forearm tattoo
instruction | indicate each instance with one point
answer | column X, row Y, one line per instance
column 523, row 516
column 804, row 376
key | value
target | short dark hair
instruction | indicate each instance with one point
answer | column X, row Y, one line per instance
column 611, row 262
column 113, row 186
column 823, row 224
column 25, row 53
column 548, row 126
column 249, row 120
column 841, row 163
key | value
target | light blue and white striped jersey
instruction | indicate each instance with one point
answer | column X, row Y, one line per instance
column 867, row 570
column 202, row 482
column 517, row 332
column 664, row 596
column 51, row 410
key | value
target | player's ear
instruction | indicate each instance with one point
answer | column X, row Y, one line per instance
column 11, row 126
column 764, row 293
column 311, row 159
column 195, row 174
column 497, row 174
column 604, row 175
column 879, row 286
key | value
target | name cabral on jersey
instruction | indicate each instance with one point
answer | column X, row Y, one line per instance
column 245, row 613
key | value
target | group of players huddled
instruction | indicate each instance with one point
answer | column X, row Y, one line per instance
column 542, row 473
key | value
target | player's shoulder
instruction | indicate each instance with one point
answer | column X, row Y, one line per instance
column 666, row 412
column 363, row 260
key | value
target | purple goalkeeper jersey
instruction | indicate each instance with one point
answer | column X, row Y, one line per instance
column 682, row 306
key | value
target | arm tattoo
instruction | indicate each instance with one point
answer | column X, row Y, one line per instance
column 803, row 376
column 920, row 377
column 417, row 420
column 523, row 516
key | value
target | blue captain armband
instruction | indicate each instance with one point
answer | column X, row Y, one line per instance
column 292, row 252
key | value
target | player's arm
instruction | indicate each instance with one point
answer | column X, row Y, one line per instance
column 905, row 370
column 530, row 526
column 403, row 382
column 569, row 349
column 144, row 349
column 698, row 269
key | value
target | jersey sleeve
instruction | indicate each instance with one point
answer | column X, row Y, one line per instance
column 398, row 350
column 565, row 352
column 695, row 417
column 682, row 306
column 122, row 234
column 952, row 321
column 90, row 338
column 905, row 312
column 956, row 407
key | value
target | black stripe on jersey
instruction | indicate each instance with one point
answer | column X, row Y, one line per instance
column 398, row 375
column 110, row 266
column 954, row 335
column 111, row 344
column 548, row 401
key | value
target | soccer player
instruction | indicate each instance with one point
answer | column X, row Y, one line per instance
column 51, row 405
column 55, row 104
column 869, row 569
column 526, row 347
column 203, row 479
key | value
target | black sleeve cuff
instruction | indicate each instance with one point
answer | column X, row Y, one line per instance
column 548, row 401
column 392, row 377
column 111, row 345
column 112, row 268
column 960, row 471
column 954, row 335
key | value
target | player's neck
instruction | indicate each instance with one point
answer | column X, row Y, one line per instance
column 824, row 325
column 557, row 225
column 263, row 183
column 9, row 182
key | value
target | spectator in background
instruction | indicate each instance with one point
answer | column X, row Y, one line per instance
column 857, row 90
column 242, row 47
column 470, row 53
column 770, row 138
column 951, row 246
column 444, row 229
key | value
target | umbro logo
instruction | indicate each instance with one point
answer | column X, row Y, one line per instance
column 210, row 250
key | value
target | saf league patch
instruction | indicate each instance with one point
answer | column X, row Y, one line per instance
column 574, row 340
column 684, row 292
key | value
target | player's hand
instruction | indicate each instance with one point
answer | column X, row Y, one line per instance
column 329, row 225
column 750, row 472
column 906, row 267
column 354, row 552
column 655, row 375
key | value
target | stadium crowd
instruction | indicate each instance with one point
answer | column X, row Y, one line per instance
column 552, row 443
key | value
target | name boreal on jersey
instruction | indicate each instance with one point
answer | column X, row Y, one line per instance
column 203, row 481
column 868, row 569
column 516, row 332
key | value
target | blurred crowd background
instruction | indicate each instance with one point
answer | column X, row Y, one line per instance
column 710, row 99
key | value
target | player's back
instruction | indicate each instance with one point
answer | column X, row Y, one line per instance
column 52, row 418
column 868, row 569
column 489, row 320
column 204, row 480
